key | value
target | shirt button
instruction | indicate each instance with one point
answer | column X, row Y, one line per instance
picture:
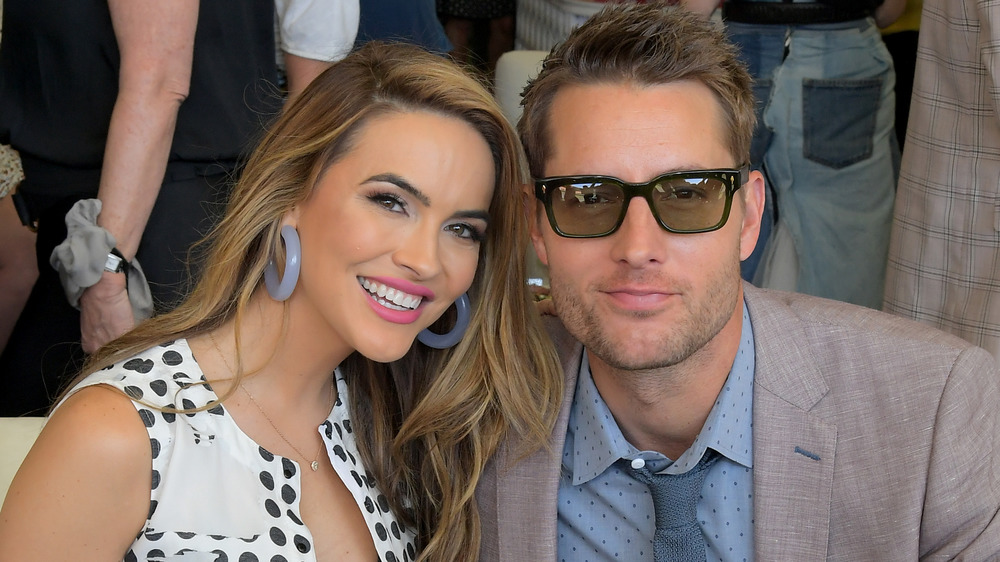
column 638, row 463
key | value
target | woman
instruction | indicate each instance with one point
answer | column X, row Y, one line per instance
column 401, row 178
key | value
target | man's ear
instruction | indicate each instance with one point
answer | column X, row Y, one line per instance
column 534, row 212
column 753, row 210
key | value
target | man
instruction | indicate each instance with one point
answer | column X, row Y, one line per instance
column 801, row 428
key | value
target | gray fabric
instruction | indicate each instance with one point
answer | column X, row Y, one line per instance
column 675, row 504
column 874, row 439
column 80, row 259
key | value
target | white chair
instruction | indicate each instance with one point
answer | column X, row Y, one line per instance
column 16, row 437
column 514, row 69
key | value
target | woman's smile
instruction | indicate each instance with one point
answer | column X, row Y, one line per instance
column 394, row 298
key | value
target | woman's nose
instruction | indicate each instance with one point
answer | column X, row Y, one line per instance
column 419, row 252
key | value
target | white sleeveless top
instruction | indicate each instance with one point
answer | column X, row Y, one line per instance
column 216, row 495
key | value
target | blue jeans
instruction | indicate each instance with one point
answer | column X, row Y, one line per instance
column 825, row 142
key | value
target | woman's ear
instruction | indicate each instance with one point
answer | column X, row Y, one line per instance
column 291, row 216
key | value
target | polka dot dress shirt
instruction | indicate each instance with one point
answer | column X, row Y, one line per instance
column 216, row 494
column 606, row 514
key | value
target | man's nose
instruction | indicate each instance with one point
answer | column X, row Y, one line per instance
column 639, row 239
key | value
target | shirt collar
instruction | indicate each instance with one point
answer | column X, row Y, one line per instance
column 594, row 441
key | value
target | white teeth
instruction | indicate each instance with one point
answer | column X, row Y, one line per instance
column 405, row 300
column 390, row 297
column 388, row 304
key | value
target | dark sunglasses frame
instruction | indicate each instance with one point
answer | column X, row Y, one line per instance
column 733, row 179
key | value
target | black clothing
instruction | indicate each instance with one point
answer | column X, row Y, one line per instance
column 59, row 67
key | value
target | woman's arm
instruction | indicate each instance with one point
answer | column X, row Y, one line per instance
column 312, row 35
column 301, row 71
column 156, row 42
column 703, row 7
column 82, row 492
column 888, row 12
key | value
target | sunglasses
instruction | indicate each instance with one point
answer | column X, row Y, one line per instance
column 682, row 202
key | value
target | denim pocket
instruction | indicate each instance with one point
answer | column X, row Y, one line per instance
column 839, row 120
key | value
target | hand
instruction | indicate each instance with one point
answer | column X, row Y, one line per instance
column 888, row 12
column 105, row 312
column 543, row 301
column 545, row 307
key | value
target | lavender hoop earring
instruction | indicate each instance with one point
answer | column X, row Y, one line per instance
column 281, row 289
column 449, row 339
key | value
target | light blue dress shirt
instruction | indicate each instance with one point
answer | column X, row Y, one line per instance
column 605, row 514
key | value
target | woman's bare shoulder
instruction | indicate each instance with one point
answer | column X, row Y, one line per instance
column 86, row 481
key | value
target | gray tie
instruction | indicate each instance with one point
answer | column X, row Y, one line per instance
column 678, row 536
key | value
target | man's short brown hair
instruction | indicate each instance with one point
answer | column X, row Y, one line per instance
column 645, row 45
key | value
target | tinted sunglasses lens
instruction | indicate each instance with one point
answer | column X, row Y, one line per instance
column 586, row 209
column 690, row 203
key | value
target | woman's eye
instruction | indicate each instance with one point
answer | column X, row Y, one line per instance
column 466, row 231
column 388, row 201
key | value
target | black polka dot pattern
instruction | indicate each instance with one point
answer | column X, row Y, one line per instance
column 343, row 453
column 220, row 469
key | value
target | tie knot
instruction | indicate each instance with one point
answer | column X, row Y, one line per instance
column 675, row 496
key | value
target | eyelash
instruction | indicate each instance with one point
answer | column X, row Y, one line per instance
column 470, row 232
column 474, row 234
column 381, row 199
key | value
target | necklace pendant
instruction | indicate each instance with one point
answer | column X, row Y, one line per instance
column 314, row 465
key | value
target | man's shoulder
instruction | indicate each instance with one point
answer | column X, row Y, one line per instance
column 825, row 322
column 808, row 347
column 860, row 386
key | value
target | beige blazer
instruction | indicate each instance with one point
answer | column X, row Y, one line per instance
column 900, row 423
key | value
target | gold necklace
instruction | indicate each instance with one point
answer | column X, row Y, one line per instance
column 314, row 465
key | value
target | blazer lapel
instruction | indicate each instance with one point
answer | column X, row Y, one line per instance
column 792, row 480
column 794, row 449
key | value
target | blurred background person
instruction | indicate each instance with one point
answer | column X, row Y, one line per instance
column 312, row 35
column 468, row 22
column 18, row 269
column 825, row 88
column 944, row 258
column 409, row 21
column 131, row 118
column 901, row 39
column 17, row 253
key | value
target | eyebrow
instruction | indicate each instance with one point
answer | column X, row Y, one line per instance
column 422, row 197
column 481, row 215
column 402, row 184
